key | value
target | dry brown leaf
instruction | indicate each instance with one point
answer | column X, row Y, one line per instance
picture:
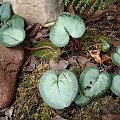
column 30, row 64
column 69, row 8
column 34, row 31
column 111, row 117
column 57, row 117
column 78, row 60
column 115, row 43
column 96, row 55
column 105, row 58
column 9, row 112
column 62, row 64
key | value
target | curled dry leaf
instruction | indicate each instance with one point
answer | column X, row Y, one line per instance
column 9, row 112
column 96, row 55
column 105, row 58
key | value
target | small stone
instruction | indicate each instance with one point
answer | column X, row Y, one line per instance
column 11, row 60
column 36, row 11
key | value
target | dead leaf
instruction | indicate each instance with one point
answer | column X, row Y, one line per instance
column 113, row 7
column 111, row 117
column 3, row 118
column 118, row 18
column 96, row 55
column 9, row 112
column 90, row 64
column 78, row 60
column 30, row 64
column 69, row 8
column 110, row 18
column 42, row 33
column 57, row 117
column 105, row 58
column 34, row 31
column 62, row 64
column 29, row 27
column 115, row 43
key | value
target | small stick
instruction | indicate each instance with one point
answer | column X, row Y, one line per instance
column 37, row 48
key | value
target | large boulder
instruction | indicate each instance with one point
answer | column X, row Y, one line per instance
column 10, row 62
column 36, row 11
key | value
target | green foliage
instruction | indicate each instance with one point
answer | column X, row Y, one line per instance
column 58, row 90
column 15, row 21
column 45, row 53
column 115, row 87
column 82, row 4
column 66, row 24
column 12, row 36
column 94, row 83
column 82, row 100
column 12, row 31
column 106, row 44
column 115, row 56
column 5, row 12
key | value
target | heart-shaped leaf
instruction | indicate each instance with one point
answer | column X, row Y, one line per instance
column 105, row 44
column 12, row 36
column 58, row 34
column 73, row 24
column 16, row 21
column 66, row 24
column 5, row 11
column 115, row 56
column 115, row 87
column 58, row 91
column 82, row 100
column 94, row 83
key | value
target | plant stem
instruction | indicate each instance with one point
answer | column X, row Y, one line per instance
column 37, row 48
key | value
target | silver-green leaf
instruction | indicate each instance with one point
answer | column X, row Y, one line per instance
column 94, row 83
column 73, row 24
column 58, row 90
column 12, row 36
column 115, row 56
column 105, row 44
column 16, row 21
column 5, row 11
column 82, row 100
column 58, row 34
column 115, row 87
column 66, row 24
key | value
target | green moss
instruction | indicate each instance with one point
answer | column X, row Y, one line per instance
column 29, row 105
column 45, row 53
column 92, row 40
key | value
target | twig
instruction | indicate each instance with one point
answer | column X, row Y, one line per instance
column 37, row 48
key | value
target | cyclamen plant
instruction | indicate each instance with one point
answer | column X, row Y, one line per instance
column 66, row 24
column 92, row 82
column 12, row 31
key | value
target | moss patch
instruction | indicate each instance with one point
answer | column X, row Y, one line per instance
column 92, row 40
column 30, row 106
column 45, row 53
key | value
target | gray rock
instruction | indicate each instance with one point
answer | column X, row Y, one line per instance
column 36, row 11
column 10, row 62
